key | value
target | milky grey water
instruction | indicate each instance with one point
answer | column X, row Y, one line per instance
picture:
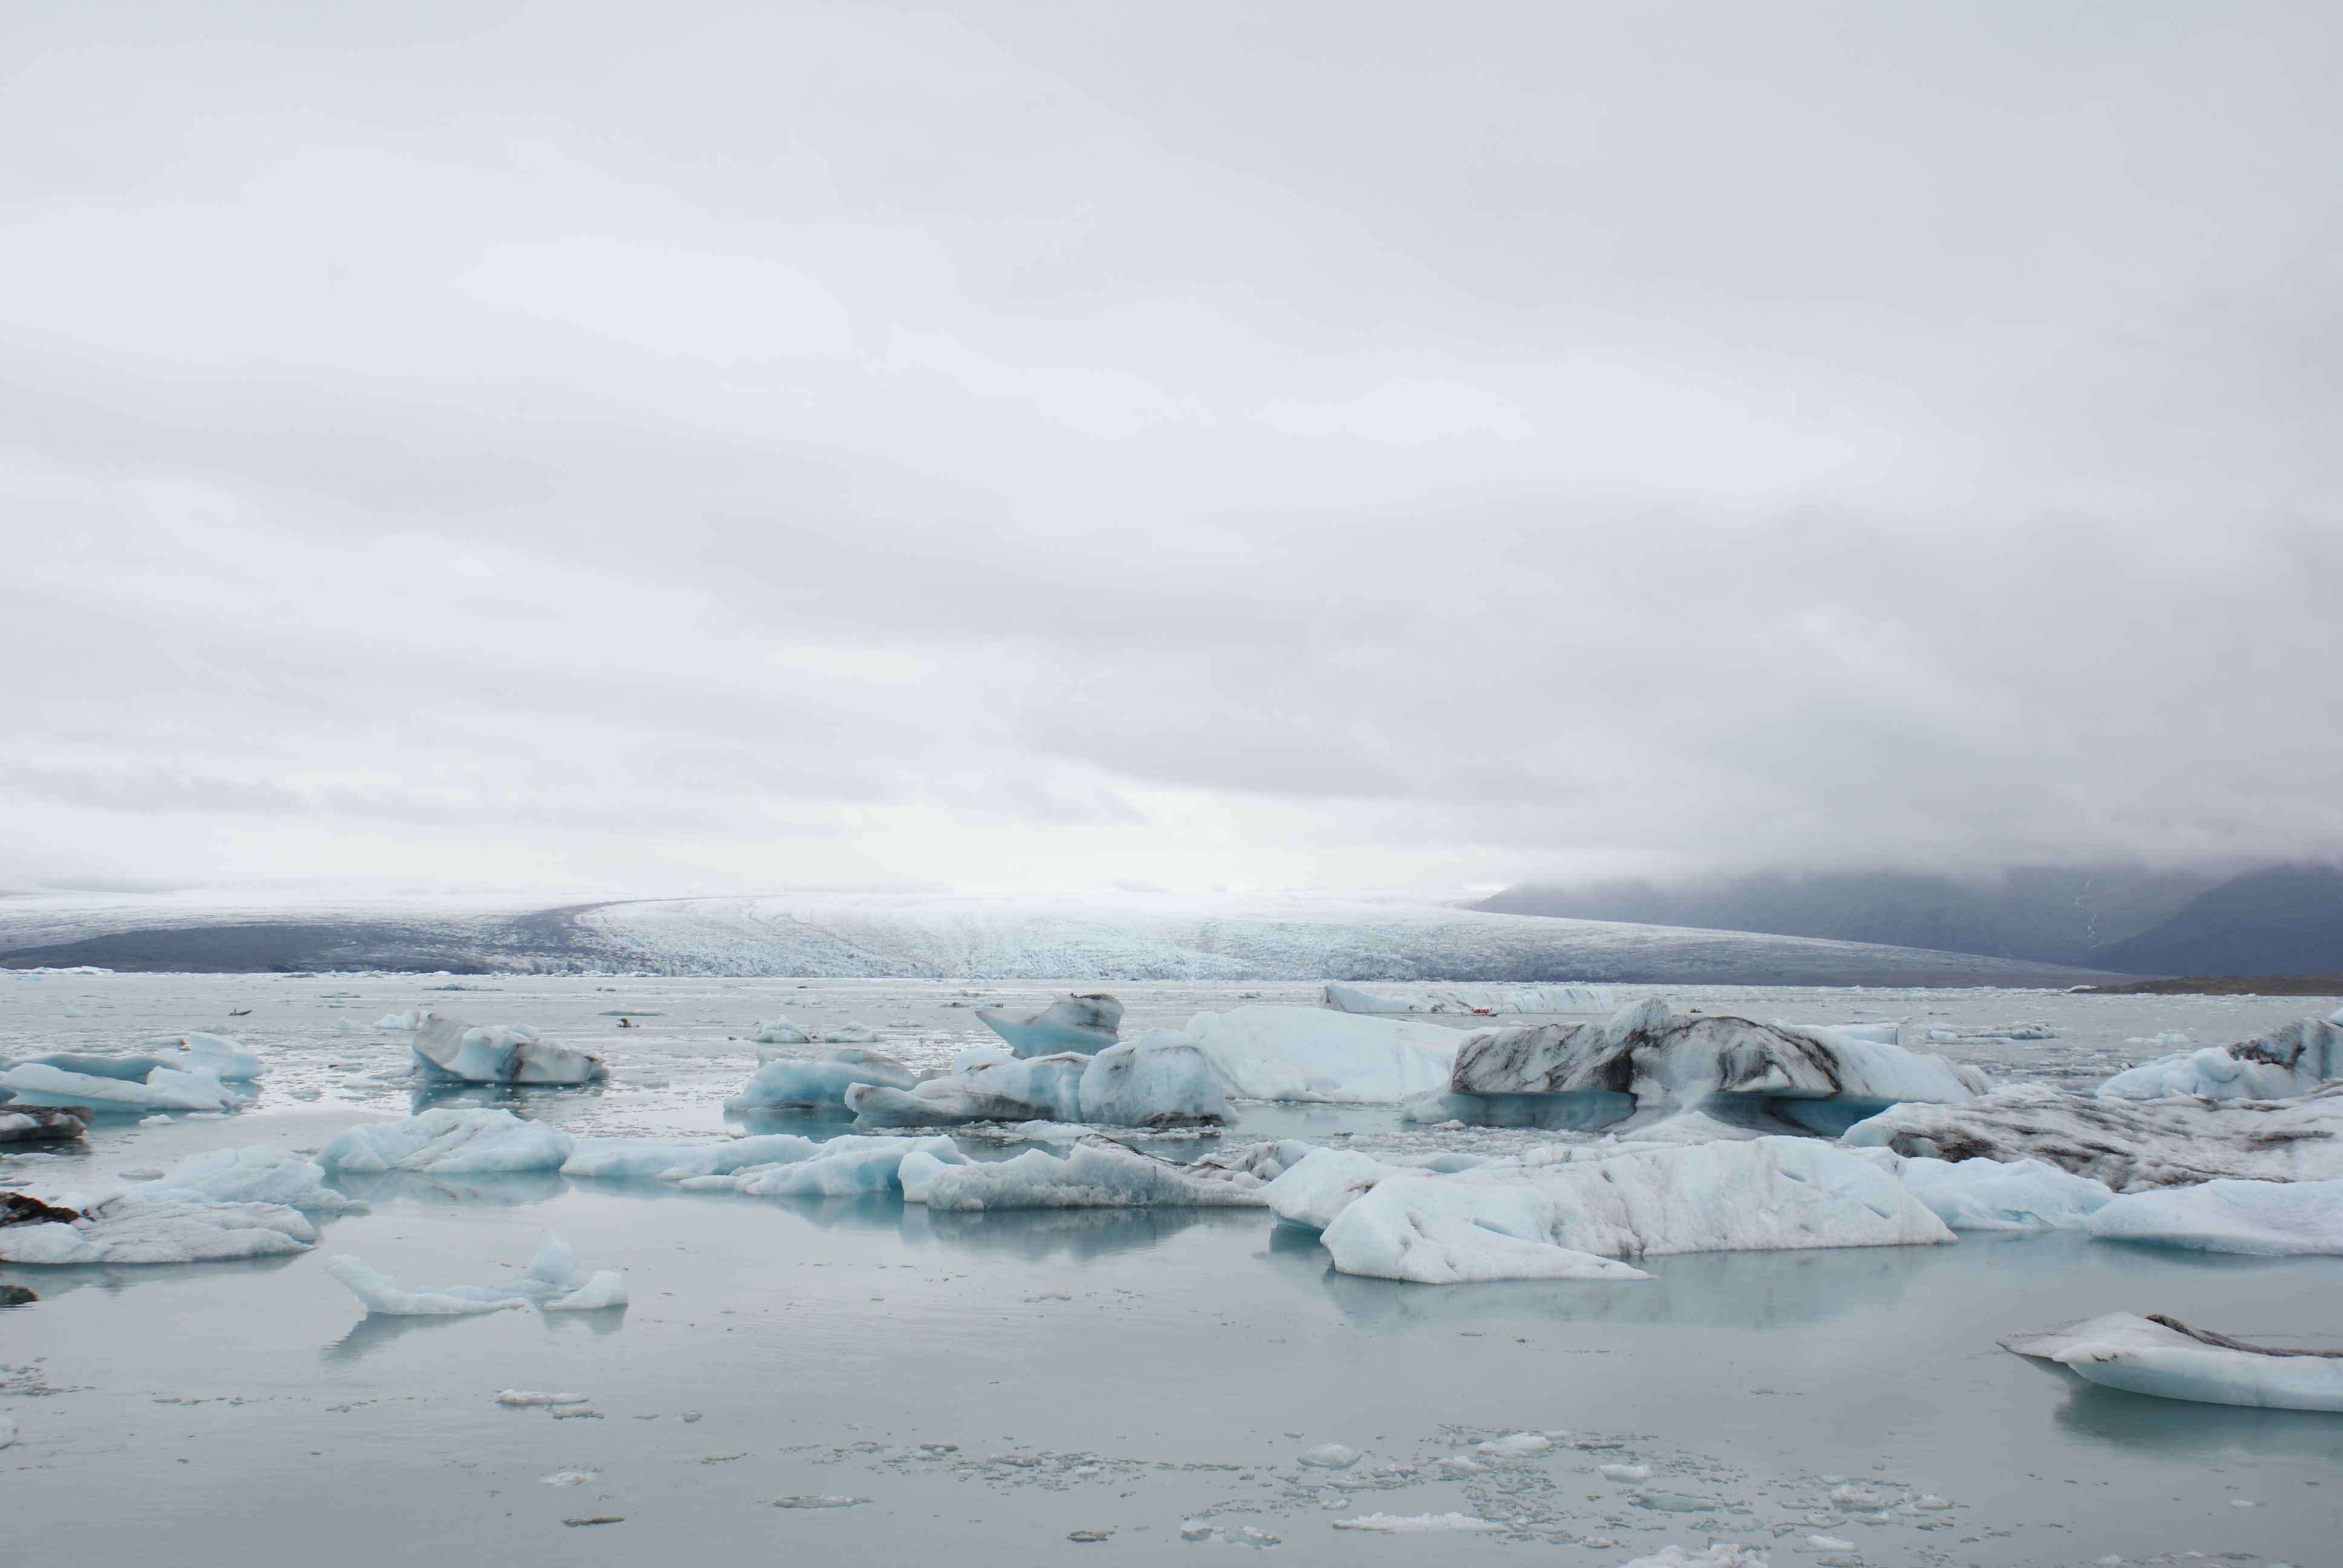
column 989, row 1386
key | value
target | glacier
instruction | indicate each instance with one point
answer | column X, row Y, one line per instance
column 2291, row 1061
column 2157, row 1355
column 1470, row 1000
column 500, row 1053
column 1086, row 1022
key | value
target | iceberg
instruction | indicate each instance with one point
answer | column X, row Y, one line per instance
column 841, row 1168
column 2289, row 1061
column 1571, row 1220
column 130, row 1228
column 500, row 1053
column 780, row 1031
column 448, row 1143
column 2263, row 1219
column 1667, row 1063
column 1311, row 1191
column 553, row 1282
column 1018, row 1089
column 251, row 1175
column 158, row 1088
column 225, row 1059
column 1309, row 1054
column 2127, row 1145
column 1471, row 1000
column 1085, row 1022
column 667, row 1160
column 1979, row 1194
column 42, row 1124
column 1096, row 1174
column 796, row 1084
column 1161, row 1080
column 2161, row 1356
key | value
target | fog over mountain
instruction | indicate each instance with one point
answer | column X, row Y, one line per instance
column 1032, row 447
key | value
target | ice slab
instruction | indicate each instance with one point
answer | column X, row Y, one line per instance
column 1017, row 1088
column 251, row 1175
column 448, row 1143
column 1719, row 1554
column 1086, row 1022
column 159, row 1088
column 1570, row 1221
column 125, row 1229
column 2127, row 1144
column 500, row 1053
column 1310, row 1054
column 2264, row 1219
column 819, row 1084
column 840, row 1167
column 553, row 1282
column 673, row 1160
column 1096, row 1174
column 2285, row 1063
column 2157, row 1355
column 1980, row 1195
column 229, row 1061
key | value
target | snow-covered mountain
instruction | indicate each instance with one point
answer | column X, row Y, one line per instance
column 1122, row 936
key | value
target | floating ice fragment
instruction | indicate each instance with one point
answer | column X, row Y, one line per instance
column 500, row 1053
column 1328, row 1456
column 568, row 1477
column 1086, row 1022
column 820, row 1501
column 1415, row 1523
column 1720, row 1555
column 1628, row 1473
column 2159, row 1355
column 524, row 1397
column 1515, row 1446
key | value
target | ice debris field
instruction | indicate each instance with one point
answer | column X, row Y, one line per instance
column 866, row 1267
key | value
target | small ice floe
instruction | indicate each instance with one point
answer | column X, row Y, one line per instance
column 249, row 1175
column 1328, row 1456
column 2162, row 1356
column 554, row 1283
column 1085, row 1023
column 1631, row 1474
column 597, row 1519
column 1515, row 1446
column 8, row 1432
column 115, row 1085
column 1221, row 1535
column 530, row 1399
column 570, row 1477
column 1415, row 1523
column 1720, row 1555
column 448, row 1048
column 820, row 1500
column 226, row 1059
column 448, row 1143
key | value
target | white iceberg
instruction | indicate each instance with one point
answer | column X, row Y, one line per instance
column 2128, row 1145
column 1668, row 1061
column 159, row 1088
column 1160, row 1080
column 1096, row 1174
column 553, row 1282
column 1086, row 1022
column 841, row 1168
column 2156, row 1355
column 1470, row 1000
column 251, row 1175
column 448, row 1143
column 500, row 1053
column 229, row 1061
column 1571, row 1220
column 2286, row 1063
column 1015, row 1088
column 671, row 1160
column 128, row 1229
column 2263, row 1219
column 1311, row 1191
column 787, row 1083
column 1309, row 1054
column 1992, row 1195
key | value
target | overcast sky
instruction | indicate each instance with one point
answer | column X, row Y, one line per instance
column 1055, row 445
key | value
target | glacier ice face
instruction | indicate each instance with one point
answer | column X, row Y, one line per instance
column 2286, row 1063
column 128, row 1229
column 1085, row 1022
column 1470, row 1000
column 1160, row 1080
column 552, row 1282
column 448, row 1143
column 2263, row 1219
column 1667, row 1061
column 1096, row 1174
column 796, row 1083
column 1562, row 1219
column 1979, row 1194
column 250, row 1175
column 2127, row 1144
column 1312, row 1054
column 2155, row 1355
column 159, row 1088
column 500, row 1053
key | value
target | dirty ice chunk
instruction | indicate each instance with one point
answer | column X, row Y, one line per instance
column 2160, row 1356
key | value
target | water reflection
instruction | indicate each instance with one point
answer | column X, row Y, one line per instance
column 377, row 1331
column 2142, row 1422
column 498, row 1189
column 1033, row 1235
column 522, row 1100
